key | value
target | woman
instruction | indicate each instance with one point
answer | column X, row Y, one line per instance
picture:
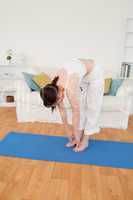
column 78, row 78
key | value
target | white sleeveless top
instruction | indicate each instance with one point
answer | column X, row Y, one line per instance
column 72, row 67
column 95, row 76
column 76, row 66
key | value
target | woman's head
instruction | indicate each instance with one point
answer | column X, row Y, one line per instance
column 52, row 94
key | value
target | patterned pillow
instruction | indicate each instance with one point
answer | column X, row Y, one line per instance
column 32, row 85
column 107, row 85
column 41, row 79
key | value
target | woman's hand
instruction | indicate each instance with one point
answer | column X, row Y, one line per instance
column 77, row 138
column 69, row 132
column 74, row 139
column 72, row 95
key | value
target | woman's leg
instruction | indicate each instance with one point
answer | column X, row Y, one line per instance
column 93, row 111
column 89, row 64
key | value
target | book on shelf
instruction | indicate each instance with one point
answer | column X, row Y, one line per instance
column 126, row 70
column 131, row 71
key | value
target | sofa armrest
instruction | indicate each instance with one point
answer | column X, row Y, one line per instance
column 29, row 99
column 22, row 86
column 126, row 90
column 22, row 90
column 116, row 104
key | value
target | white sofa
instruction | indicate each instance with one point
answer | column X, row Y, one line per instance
column 115, row 111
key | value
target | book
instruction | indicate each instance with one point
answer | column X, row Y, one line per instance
column 131, row 71
column 122, row 70
column 126, row 70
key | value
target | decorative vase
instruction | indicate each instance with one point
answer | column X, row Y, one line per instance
column 9, row 55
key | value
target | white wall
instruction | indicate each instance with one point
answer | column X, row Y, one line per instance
column 52, row 31
column 130, row 8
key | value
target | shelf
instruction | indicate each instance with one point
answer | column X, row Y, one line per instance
column 129, row 32
column 7, row 104
column 130, row 78
column 130, row 47
column 130, row 63
column 130, row 18
column 15, row 65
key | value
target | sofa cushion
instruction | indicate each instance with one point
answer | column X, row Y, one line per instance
column 126, row 88
column 107, row 85
column 51, row 72
column 31, row 84
column 41, row 79
column 116, row 83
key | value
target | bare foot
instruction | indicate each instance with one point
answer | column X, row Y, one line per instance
column 73, row 140
column 71, row 143
column 83, row 144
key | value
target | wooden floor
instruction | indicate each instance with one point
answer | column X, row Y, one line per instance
column 22, row 179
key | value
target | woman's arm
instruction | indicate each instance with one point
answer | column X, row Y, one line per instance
column 63, row 114
column 71, row 92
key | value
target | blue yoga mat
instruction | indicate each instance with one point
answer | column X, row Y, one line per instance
column 51, row 148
